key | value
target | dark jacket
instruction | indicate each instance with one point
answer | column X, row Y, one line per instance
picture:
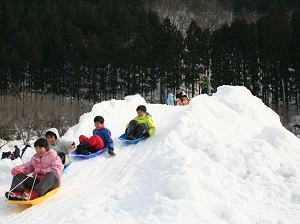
column 179, row 95
column 16, row 153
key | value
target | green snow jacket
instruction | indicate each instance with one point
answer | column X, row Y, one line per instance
column 205, row 82
column 147, row 119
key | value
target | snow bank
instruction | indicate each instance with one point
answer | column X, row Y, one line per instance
column 222, row 159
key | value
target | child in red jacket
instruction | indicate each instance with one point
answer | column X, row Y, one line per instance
column 46, row 167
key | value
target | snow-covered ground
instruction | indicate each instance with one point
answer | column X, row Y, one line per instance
column 222, row 159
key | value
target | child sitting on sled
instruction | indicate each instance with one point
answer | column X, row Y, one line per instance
column 46, row 167
column 101, row 139
column 142, row 125
column 61, row 146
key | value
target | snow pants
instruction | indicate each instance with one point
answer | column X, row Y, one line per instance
column 136, row 130
column 94, row 141
column 49, row 182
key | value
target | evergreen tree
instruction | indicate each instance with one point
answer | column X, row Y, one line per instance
column 295, row 52
column 275, row 37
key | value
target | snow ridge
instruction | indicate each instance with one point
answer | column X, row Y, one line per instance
column 222, row 159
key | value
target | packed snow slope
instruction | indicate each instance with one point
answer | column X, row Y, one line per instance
column 222, row 159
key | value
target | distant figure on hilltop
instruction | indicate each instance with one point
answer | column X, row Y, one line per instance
column 204, row 82
column 170, row 99
column 179, row 94
column 185, row 100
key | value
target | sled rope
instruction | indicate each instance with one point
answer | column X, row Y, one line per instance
column 17, row 186
column 32, row 187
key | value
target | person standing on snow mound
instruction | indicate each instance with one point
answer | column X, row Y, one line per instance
column 101, row 139
column 170, row 99
column 204, row 82
column 61, row 146
column 179, row 94
column 142, row 125
column 185, row 100
column 46, row 167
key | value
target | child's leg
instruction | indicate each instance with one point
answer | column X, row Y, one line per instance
column 49, row 182
column 83, row 138
column 141, row 130
column 132, row 128
column 18, row 179
column 95, row 142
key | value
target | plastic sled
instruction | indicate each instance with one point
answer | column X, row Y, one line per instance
column 66, row 166
column 130, row 141
column 81, row 156
column 34, row 201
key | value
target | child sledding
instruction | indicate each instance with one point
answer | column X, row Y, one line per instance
column 38, row 179
column 140, row 127
column 97, row 143
column 46, row 168
column 62, row 147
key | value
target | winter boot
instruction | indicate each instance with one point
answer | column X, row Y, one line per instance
column 34, row 194
column 14, row 195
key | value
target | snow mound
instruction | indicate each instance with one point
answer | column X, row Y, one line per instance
column 222, row 159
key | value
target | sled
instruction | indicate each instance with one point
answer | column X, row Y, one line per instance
column 81, row 156
column 66, row 166
column 34, row 201
column 130, row 141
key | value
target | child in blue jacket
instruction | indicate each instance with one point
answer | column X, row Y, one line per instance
column 101, row 139
column 104, row 133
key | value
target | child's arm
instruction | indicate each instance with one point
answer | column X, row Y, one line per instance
column 109, row 143
column 151, row 126
column 25, row 168
column 66, row 146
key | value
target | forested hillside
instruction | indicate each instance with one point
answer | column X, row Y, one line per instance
column 104, row 49
column 212, row 14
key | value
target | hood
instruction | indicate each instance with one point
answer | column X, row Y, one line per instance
column 54, row 130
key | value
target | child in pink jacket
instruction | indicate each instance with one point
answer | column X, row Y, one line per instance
column 46, row 167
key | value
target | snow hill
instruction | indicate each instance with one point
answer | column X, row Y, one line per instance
column 224, row 159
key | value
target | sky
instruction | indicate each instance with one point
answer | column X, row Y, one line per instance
column 223, row 159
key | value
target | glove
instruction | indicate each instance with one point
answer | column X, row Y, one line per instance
column 147, row 135
column 37, row 170
column 111, row 151
column 16, row 170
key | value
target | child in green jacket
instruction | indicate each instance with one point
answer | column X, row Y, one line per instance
column 204, row 83
column 142, row 125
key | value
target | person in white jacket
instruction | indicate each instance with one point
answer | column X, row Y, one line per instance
column 61, row 146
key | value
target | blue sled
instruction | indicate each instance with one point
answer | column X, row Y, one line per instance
column 80, row 156
column 66, row 166
column 130, row 141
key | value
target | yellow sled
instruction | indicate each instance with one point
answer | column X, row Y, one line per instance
column 34, row 201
